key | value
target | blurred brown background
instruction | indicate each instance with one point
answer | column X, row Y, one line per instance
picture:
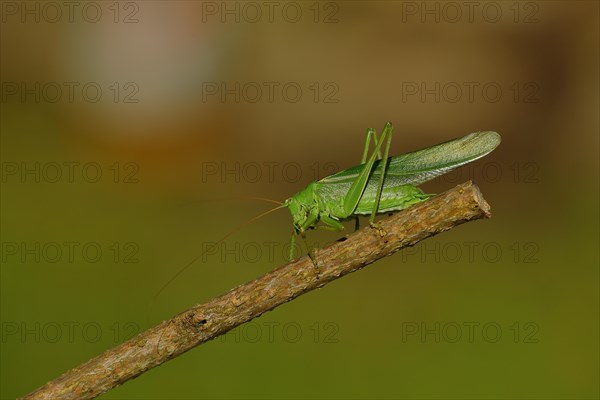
column 131, row 130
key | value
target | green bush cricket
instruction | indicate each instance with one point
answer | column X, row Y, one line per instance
column 379, row 184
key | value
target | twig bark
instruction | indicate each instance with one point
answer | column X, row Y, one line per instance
column 246, row 302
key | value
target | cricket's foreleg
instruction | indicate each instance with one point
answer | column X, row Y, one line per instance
column 292, row 246
column 309, row 248
column 310, row 251
column 371, row 134
column 330, row 224
column 388, row 137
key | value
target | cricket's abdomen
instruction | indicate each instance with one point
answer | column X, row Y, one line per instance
column 395, row 196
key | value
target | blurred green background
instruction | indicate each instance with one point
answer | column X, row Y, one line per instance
column 132, row 131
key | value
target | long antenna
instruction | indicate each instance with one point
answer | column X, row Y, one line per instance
column 242, row 197
column 231, row 232
column 262, row 199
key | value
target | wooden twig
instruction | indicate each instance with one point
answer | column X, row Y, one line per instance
column 246, row 302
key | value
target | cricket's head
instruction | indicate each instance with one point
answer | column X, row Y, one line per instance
column 303, row 208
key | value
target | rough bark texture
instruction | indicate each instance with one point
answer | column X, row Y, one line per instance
column 243, row 303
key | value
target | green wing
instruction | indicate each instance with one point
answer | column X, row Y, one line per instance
column 423, row 165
